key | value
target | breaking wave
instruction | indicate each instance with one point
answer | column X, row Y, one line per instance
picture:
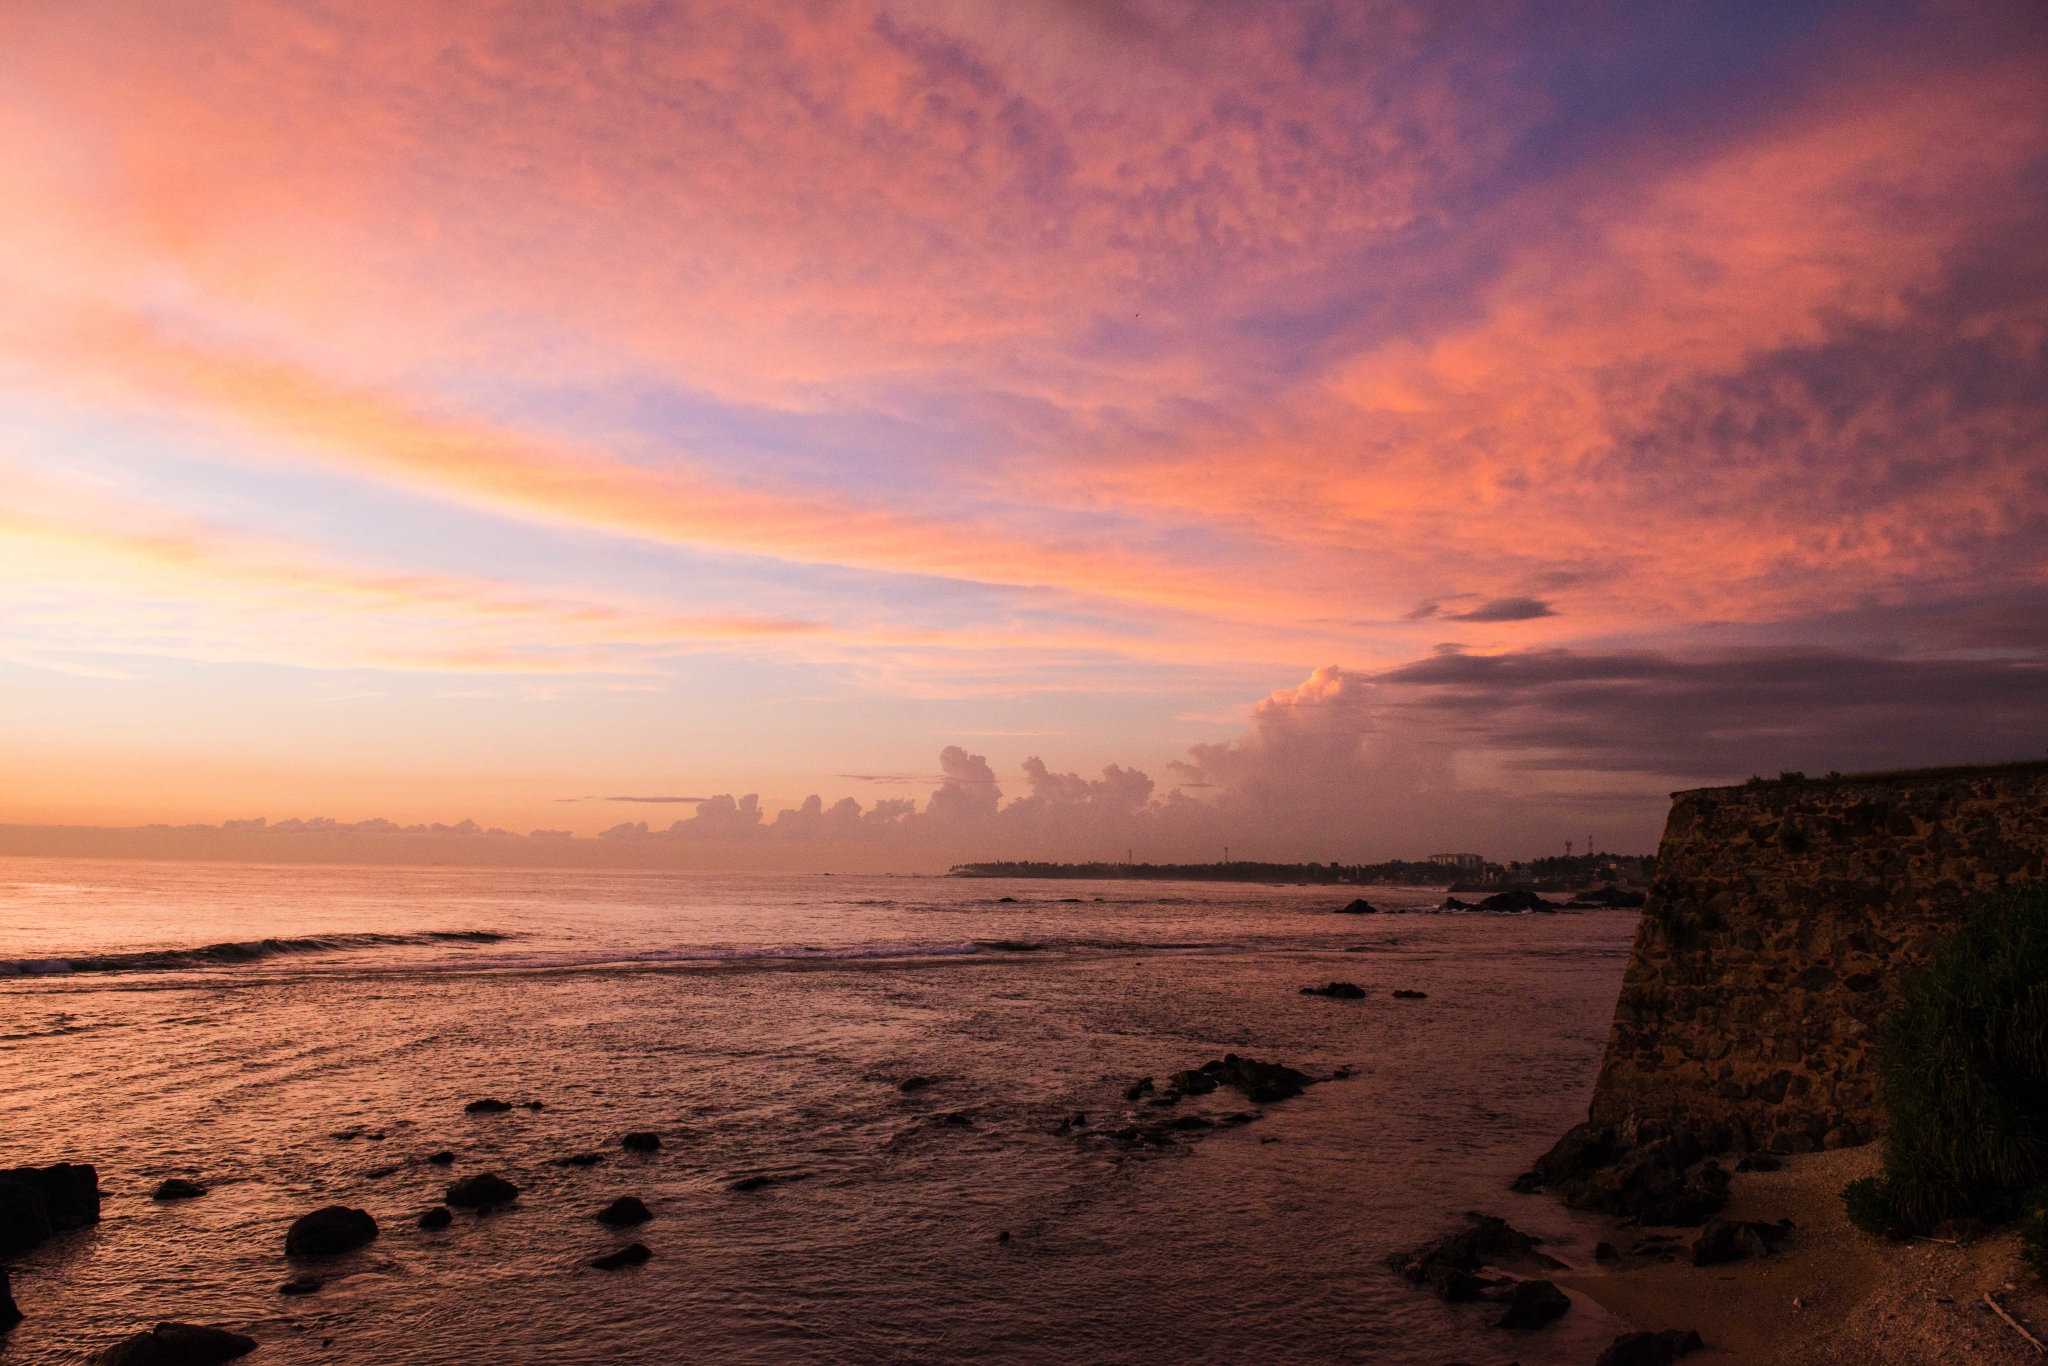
column 243, row 951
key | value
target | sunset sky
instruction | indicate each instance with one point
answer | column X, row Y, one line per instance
column 1390, row 427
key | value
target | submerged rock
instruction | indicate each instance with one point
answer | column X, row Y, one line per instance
column 178, row 1344
column 329, row 1232
column 10, row 1313
column 487, row 1107
column 1260, row 1082
column 578, row 1160
column 909, row 1084
column 1360, row 907
column 38, row 1201
column 633, row 1254
column 641, row 1141
column 481, row 1191
column 439, row 1217
column 1650, row 1349
column 624, row 1212
column 1533, row 1304
column 300, row 1285
column 444, row 1158
column 177, row 1188
column 1343, row 991
column 1142, row 1086
column 1403, row 994
column 751, row 1183
column 1489, row 1241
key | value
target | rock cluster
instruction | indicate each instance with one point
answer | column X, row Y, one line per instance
column 38, row 1201
column 1260, row 1082
column 1343, row 991
column 10, row 1314
column 1723, row 1240
column 1451, row 1267
column 178, row 1344
column 1650, row 1349
column 1659, row 1174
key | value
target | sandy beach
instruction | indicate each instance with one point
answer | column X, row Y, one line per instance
column 1830, row 1294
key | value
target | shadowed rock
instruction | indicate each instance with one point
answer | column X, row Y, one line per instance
column 300, row 1285
column 1360, row 907
column 38, row 1201
column 178, row 1344
column 482, row 1191
column 577, row 1160
column 1650, row 1349
column 1661, row 1181
column 438, row 1217
column 1533, row 1304
column 624, row 1212
column 177, row 1188
column 1142, row 1086
column 1260, row 1082
column 1342, row 991
column 633, row 1254
column 329, row 1232
column 10, row 1314
column 641, row 1141
column 444, row 1158
column 909, row 1084
column 750, row 1183
column 1723, row 1240
column 1402, row 994
column 1488, row 1241
column 487, row 1107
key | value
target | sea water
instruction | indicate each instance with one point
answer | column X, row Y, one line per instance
column 293, row 1037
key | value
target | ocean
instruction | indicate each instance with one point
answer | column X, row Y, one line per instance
column 293, row 1037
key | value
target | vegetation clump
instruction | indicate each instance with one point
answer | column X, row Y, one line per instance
column 1963, row 1061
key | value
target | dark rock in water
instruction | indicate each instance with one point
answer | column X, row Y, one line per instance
column 177, row 1188
column 444, row 1158
column 1077, row 1120
column 1402, row 994
column 329, row 1232
column 535, row 1105
column 1488, row 1240
column 641, row 1142
column 1655, row 1182
column 624, row 1212
column 577, row 1160
column 1519, row 899
column 481, row 1191
column 1231, row 1121
column 1360, row 907
column 487, row 1107
column 1260, row 1082
column 1186, row 1122
column 1533, row 1304
column 1003, row 1237
column 1343, row 991
column 909, row 1084
column 178, row 1344
column 1009, row 900
column 1454, row 1286
column 300, row 1285
column 1650, row 1349
column 1526, row 1184
column 38, row 1201
column 1142, row 1086
column 750, row 1183
column 1609, row 898
column 438, row 1217
column 379, row 1173
column 1758, row 1162
column 959, row 1119
column 1452, row 903
column 10, row 1314
column 1606, row 1252
column 633, row 1254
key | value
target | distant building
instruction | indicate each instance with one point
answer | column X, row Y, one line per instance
column 1464, row 863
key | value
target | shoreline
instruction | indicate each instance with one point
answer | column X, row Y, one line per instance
column 1860, row 1301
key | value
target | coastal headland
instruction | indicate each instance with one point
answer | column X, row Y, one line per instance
column 1738, row 1087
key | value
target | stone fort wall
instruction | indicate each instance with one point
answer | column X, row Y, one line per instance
column 1781, row 917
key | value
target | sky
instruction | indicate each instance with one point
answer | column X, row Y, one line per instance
column 1345, row 431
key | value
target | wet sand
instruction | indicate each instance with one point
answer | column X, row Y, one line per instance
column 1830, row 1296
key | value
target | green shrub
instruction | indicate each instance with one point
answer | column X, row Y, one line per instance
column 1963, row 1061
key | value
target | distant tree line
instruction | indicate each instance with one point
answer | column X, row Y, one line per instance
column 1393, row 873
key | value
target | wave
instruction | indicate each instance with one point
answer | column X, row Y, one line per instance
column 239, row 952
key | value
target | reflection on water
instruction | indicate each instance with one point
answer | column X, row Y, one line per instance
column 295, row 1037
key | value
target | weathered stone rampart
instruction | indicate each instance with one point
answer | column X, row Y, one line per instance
column 1780, row 919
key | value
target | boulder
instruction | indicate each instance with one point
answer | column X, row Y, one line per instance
column 1650, row 1349
column 1260, row 1082
column 444, row 1158
column 178, row 1344
column 1728, row 1240
column 1360, row 907
column 1489, row 1240
column 38, row 1201
column 641, row 1141
column 633, row 1254
column 1606, row 1252
column 1532, row 1304
column 328, row 1232
column 1661, row 1181
column 624, row 1212
column 1342, row 991
column 439, row 1217
column 487, row 1107
column 10, row 1314
column 481, row 1191
column 177, row 1188
column 1520, row 899
column 300, row 1285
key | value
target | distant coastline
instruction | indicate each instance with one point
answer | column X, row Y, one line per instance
column 1553, row 874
